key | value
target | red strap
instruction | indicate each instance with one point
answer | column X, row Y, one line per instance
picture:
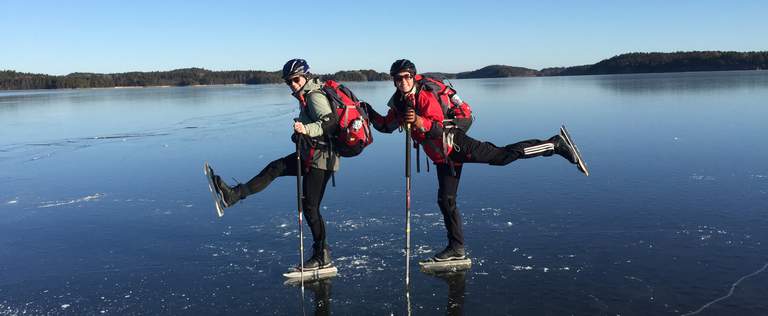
column 302, row 100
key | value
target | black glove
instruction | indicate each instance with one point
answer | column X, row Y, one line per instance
column 365, row 106
column 372, row 114
column 295, row 137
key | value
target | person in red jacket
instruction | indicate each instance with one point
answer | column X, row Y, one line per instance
column 449, row 147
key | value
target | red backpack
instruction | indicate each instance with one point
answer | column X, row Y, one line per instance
column 456, row 112
column 354, row 132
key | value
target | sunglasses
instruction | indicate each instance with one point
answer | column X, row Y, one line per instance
column 293, row 80
column 400, row 78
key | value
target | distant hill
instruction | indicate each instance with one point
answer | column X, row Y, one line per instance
column 638, row 63
column 357, row 75
column 668, row 62
column 621, row 64
column 564, row 71
column 497, row 71
column 440, row 75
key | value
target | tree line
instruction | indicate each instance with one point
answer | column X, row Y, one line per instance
column 12, row 80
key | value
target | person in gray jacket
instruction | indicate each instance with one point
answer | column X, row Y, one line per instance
column 315, row 123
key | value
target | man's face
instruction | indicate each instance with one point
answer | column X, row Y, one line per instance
column 403, row 81
column 296, row 82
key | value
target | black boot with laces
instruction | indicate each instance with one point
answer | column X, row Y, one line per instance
column 450, row 253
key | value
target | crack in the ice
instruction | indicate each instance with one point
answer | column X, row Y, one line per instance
column 733, row 287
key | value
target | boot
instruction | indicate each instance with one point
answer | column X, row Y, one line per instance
column 321, row 258
column 450, row 253
column 564, row 146
column 563, row 149
column 229, row 195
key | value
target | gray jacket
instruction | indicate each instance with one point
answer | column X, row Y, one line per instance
column 317, row 110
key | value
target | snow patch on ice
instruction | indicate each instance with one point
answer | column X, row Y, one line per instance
column 350, row 224
column 89, row 198
column 491, row 211
column 422, row 249
column 698, row 177
column 356, row 261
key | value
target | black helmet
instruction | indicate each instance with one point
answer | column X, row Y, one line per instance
column 401, row 65
column 295, row 67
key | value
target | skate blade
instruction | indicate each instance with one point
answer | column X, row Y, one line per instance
column 295, row 275
column 432, row 266
column 579, row 159
column 212, row 188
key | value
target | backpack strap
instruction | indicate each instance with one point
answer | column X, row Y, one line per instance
column 437, row 90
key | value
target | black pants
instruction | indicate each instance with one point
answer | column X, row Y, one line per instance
column 314, row 183
column 469, row 150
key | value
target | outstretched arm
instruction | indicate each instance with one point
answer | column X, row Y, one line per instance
column 385, row 124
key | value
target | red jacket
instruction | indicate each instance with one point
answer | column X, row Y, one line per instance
column 430, row 114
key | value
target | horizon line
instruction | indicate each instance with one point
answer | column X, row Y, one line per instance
column 494, row 64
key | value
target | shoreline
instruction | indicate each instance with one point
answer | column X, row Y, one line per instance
column 509, row 77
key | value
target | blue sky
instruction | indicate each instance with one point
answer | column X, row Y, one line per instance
column 60, row 37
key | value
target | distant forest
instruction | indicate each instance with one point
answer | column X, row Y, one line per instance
column 12, row 80
column 622, row 64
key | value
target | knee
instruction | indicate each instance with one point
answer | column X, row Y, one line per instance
column 447, row 203
column 310, row 206
column 311, row 213
column 275, row 168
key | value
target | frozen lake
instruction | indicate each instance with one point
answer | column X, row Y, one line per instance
column 104, row 208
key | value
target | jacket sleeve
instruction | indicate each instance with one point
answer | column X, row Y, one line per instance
column 325, row 120
column 385, row 124
column 431, row 116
